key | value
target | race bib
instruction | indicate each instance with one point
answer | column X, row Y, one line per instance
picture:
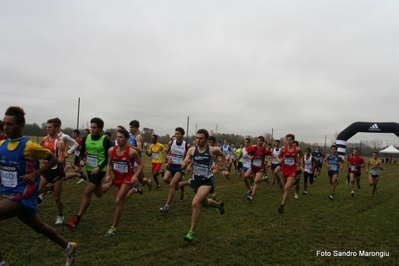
column 257, row 162
column 375, row 171
column 289, row 161
column 9, row 178
column 155, row 155
column 177, row 160
column 355, row 168
column 92, row 160
column 333, row 167
column 200, row 171
column 121, row 167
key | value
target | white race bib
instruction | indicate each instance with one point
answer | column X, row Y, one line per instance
column 121, row 167
column 92, row 160
column 200, row 171
column 257, row 162
column 375, row 171
column 155, row 155
column 289, row 161
column 177, row 160
column 333, row 167
column 9, row 178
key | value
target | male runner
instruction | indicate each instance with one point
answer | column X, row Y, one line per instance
column 356, row 162
column 257, row 155
column 276, row 165
column 121, row 160
column 202, row 157
column 288, row 157
column 20, row 178
column 94, row 156
column 374, row 167
column 309, row 163
column 332, row 161
column 156, row 151
column 56, row 174
column 175, row 154
column 318, row 155
column 76, row 162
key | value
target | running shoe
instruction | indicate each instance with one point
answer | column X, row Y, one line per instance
column 265, row 178
column 111, row 231
column 164, row 209
column 39, row 199
column 353, row 193
column 137, row 188
column 158, row 187
column 60, row 219
column 82, row 175
column 189, row 236
column 221, row 207
column 69, row 165
column 70, row 254
column 80, row 181
column 73, row 223
column 281, row 209
column 296, row 195
column 181, row 197
column 331, row 197
column 249, row 198
column 304, row 193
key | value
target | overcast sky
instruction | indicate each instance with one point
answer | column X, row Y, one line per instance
column 246, row 67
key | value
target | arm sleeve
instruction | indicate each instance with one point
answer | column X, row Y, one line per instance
column 82, row 149
column 107, row 145
column 68, row 139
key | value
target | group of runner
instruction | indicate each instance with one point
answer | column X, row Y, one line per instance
column 24, row 187
column 290, row 162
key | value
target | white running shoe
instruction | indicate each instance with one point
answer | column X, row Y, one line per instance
column 80, row 181
column 70, row 254
column 60, row 219
column 296, row 195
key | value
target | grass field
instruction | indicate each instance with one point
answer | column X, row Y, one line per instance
column 249, row 233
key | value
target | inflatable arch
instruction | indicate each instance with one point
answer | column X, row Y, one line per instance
column 371, row 127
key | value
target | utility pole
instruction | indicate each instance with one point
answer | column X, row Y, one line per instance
column 77, row 122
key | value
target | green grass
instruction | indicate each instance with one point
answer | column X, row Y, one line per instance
column 247, row 234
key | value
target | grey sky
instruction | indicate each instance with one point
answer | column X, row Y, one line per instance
column 305, row 67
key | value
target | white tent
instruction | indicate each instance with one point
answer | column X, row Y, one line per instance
column 391, row 149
